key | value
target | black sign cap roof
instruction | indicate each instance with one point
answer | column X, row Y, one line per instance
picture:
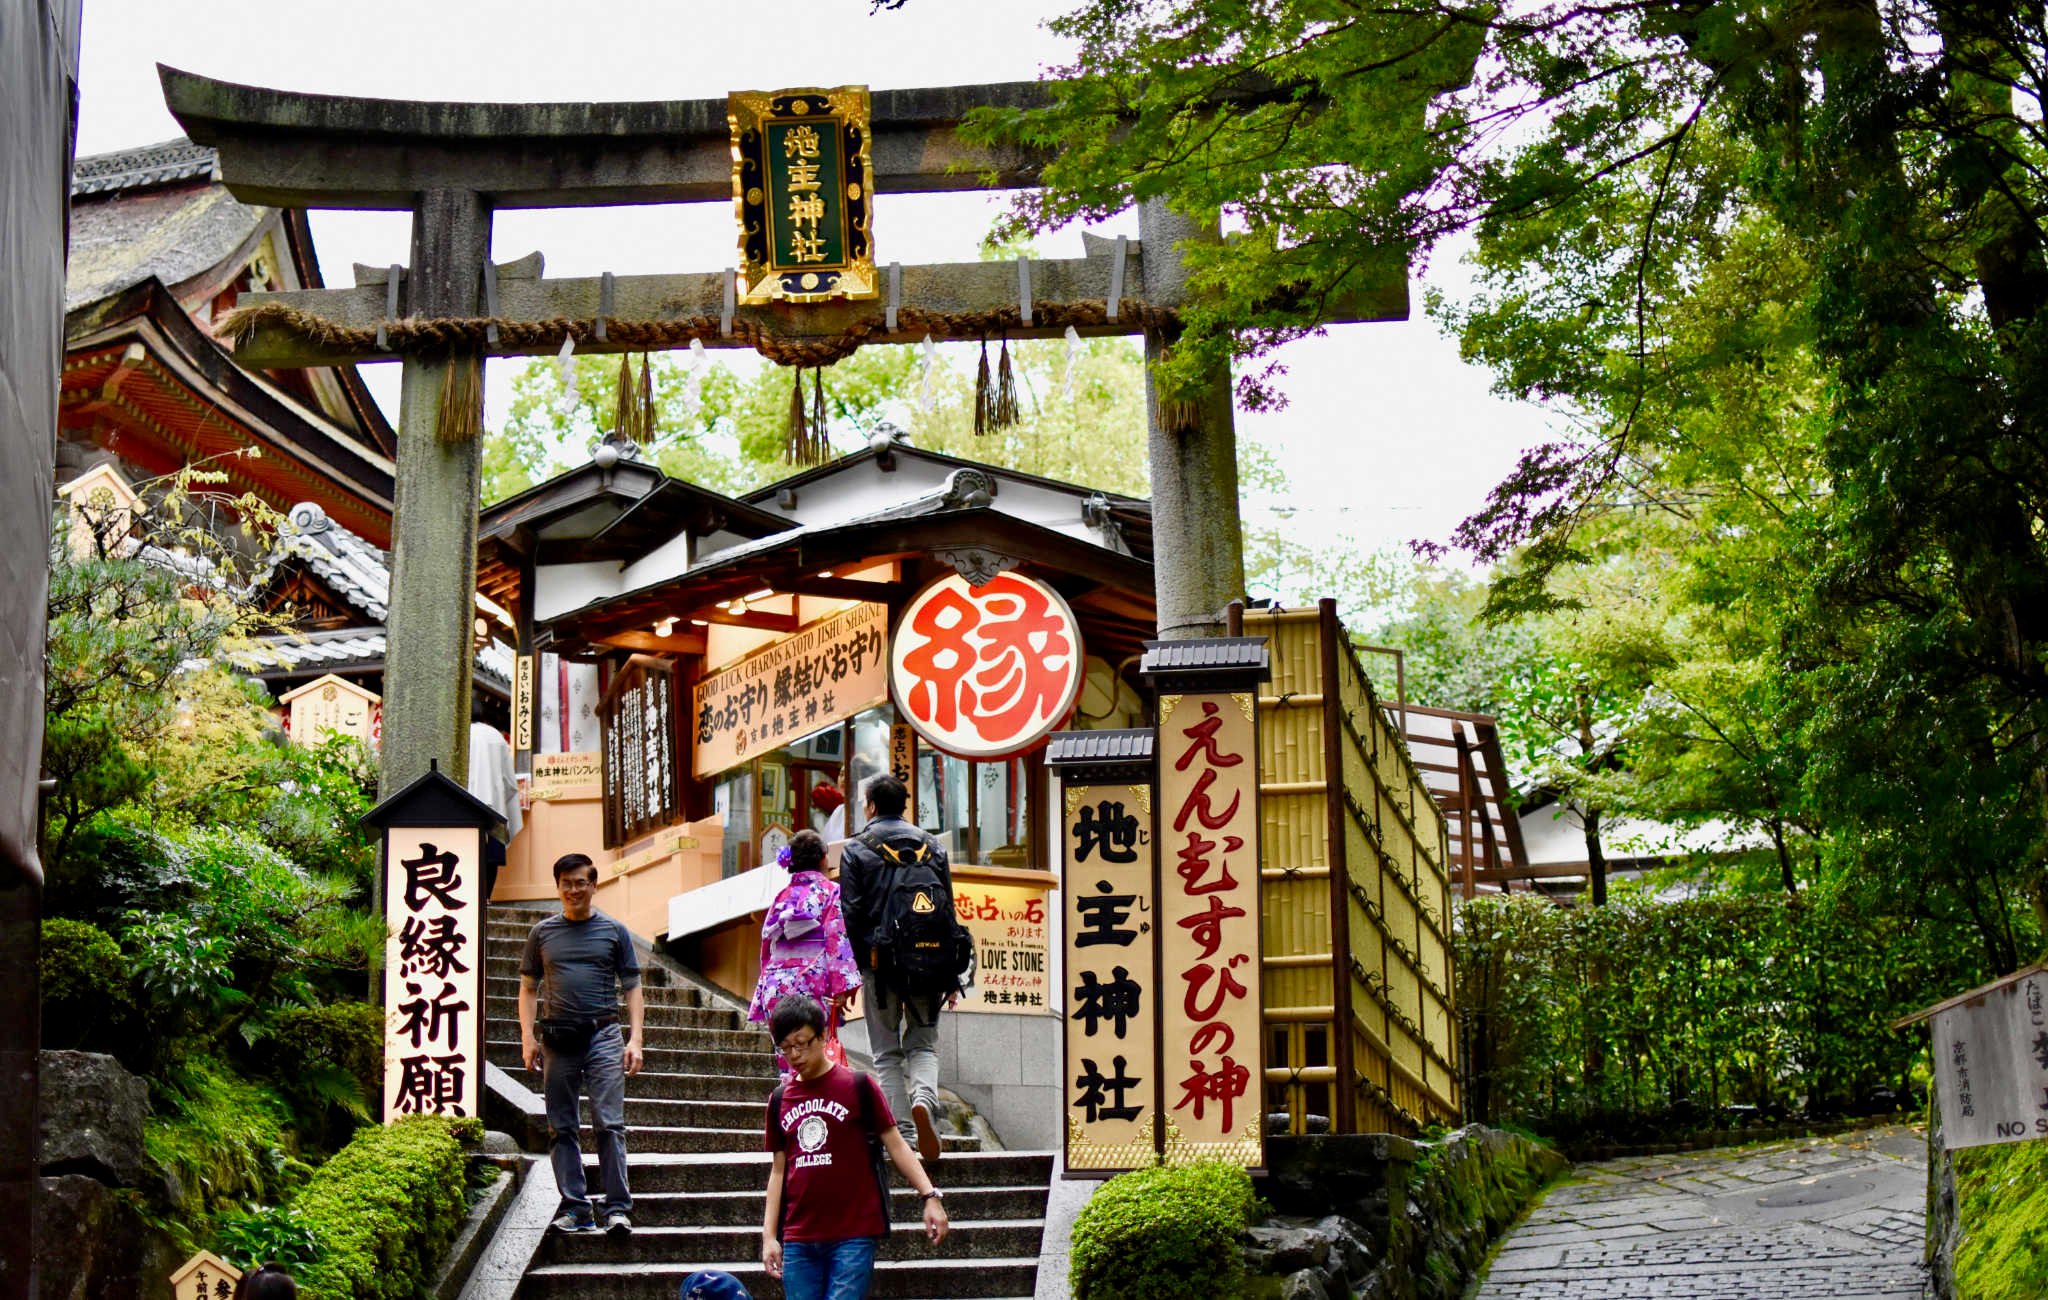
column 433, row 800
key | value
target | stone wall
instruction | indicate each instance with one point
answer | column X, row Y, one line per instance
column 90, row 1243
column 1381, row 1217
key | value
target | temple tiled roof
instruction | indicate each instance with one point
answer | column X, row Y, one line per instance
column 354, row 648
column 141, row 168
column 356, row 570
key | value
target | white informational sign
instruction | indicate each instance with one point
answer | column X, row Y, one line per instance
column 1991, row 1063
column 433, row 971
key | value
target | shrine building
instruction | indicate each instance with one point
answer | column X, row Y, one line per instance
column 702, row 676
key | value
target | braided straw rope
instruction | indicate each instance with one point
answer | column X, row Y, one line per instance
column 467, row 334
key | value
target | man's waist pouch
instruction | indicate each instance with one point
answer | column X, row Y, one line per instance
column 571, row 1036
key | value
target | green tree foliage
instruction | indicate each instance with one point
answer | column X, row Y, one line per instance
column 1082, row 409
column 1786, row 270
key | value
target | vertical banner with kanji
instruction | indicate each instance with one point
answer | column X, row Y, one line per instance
column 433, row 970
column 1212, row 1044
column 1109, row 892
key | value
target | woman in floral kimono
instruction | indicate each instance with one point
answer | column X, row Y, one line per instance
column 803, row 944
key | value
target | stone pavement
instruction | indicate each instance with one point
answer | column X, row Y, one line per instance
column 1841, row 1218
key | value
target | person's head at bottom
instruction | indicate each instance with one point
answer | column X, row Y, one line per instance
column 713, row 1285
column 797, row 1025
column 267, row 1282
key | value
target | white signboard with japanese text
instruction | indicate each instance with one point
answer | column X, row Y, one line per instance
column 1111, row 974
column 1991, row 1064
column 1209, row 945
column 817, row 675
column 1010, row 946
column 986, row 672
column 433, row 971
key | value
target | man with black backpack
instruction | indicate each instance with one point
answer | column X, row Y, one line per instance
column 896, row 893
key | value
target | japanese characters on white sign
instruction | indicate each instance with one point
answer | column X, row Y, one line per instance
column 989, row 671
column 815, row 676
column 1008, row 924
column 433, row 971
column 1213, row 1047
column 1111, row 971
column 1991, row 1064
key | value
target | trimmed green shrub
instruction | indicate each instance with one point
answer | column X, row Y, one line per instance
column 2001, row 1205
column 385, row 1208
column 1164, row 1234
column 80, row 962
column 330, row 1062
column 267, row 1234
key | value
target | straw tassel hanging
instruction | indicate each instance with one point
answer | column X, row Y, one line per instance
column 648, row 423
column 984, row 400
column 807, row 444
column 1005, row 412
column 626, row 405
column 460, row 418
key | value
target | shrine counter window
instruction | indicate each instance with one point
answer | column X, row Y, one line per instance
column 733, row 800
column 980, row 811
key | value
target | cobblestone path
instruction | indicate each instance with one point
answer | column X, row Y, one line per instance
column 1840, row 1218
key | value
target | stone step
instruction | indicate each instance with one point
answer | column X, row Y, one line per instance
column 504, row 1053
column 505, row 1010
column 893, row 1280
column 649, row 1086
column 681, row 1038
column 651, row 1175
column 679, row 1139
column 507, row 986
column 743, row 1207
column 968, row 1240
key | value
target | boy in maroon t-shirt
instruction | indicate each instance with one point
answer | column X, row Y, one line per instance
column 825, row 1213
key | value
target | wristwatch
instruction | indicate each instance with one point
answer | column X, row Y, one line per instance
column 933, row 1195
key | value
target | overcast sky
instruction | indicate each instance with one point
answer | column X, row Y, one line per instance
column 1389, row 436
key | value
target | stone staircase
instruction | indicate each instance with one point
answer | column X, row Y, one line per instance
column 694, row 1117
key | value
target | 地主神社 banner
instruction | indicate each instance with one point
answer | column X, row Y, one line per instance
column 821, row 673
column 433, row 970
column 1212, row 1041
column 803, row 188
column 1111, row 976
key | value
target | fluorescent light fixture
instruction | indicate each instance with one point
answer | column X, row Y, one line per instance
column 762, row 594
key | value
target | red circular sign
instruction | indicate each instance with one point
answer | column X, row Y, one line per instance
column 989, row 671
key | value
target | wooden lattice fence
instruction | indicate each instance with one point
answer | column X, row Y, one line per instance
column 1359, row 1014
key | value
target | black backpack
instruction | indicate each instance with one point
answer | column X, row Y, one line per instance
column 919, row 946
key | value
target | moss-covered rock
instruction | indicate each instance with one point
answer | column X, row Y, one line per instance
column 1377, row 1215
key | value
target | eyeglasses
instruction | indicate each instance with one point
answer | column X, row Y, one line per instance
column 794, row 1046
column 576, row 884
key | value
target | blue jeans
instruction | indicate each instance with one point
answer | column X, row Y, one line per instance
column 827, row 1270
column 602, row 1070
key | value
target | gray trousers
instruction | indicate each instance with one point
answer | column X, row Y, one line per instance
column 601, row 1069
column 903, row 1037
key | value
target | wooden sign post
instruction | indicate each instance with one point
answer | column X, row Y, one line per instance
column 1211, row 1029
column 434, row 946
column 1109, row 887
column 1991, row 1061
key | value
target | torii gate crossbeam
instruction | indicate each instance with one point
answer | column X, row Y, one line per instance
column 453, row 164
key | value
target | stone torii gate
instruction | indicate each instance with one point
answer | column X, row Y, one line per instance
column 452, row 164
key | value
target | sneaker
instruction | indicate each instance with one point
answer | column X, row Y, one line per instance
column 571, row 1222
column 927, row 1133
column 617, row 1226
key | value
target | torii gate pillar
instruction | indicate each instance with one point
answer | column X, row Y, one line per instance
column 429, row 656
column 1197, row 540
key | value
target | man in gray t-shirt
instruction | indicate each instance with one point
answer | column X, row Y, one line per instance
column 584, row 958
